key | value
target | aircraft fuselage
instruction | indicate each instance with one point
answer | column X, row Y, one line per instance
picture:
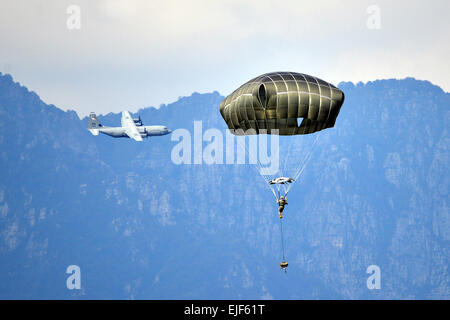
column 144, row 131
column 131, row 128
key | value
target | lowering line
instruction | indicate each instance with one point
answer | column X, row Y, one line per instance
column 283, row 263
column 282, row 238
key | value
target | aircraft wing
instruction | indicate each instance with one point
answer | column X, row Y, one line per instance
column 130, row 127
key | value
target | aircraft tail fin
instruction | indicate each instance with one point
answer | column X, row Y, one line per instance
column 93, row 124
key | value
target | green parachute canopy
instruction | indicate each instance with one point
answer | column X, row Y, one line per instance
column 293, row 103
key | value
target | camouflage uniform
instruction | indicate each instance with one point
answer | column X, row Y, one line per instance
column 281, row 203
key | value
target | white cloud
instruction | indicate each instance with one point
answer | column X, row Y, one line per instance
column 135, row 53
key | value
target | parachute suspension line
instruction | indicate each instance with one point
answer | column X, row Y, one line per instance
column 308, row 157
column 283, row 170
column 258, row 169
column 303, row 164
column 258, row 163
column 273, row 191
column 285, row 187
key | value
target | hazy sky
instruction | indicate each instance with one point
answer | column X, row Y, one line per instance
column 130, row 54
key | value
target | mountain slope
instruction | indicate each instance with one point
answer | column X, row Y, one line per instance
column 139, row 226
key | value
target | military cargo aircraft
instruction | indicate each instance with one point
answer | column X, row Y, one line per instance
column 130, row 128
